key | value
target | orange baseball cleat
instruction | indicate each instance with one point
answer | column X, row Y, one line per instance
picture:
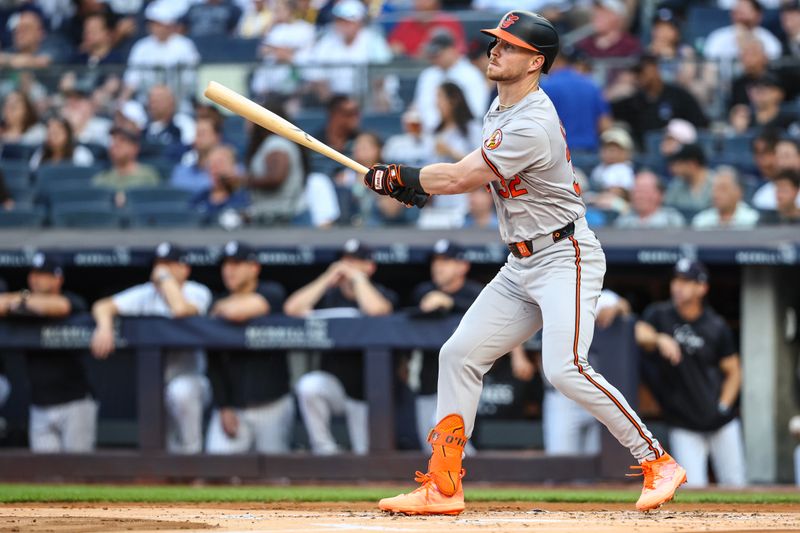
column 441, row 491
column 662, row 477
column 426, row 499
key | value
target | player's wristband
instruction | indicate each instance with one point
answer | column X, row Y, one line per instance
column 410, row 178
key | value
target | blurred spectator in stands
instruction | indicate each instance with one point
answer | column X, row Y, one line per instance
column 384, row 213
column 666, row 42
column 692, row 366
column 20, row 121
column 320, row 202
column 126, row 171
column 481, row 210
column 342, row 124
column 338, row 387
column 286, row 36
column 690, row 188
column 677, row 134
column 353, row 200
column 208, row 18
column 763, row 146
column 335, row 63
column 225, row 193
column 28, row 49
column 412, row 33
column 616, row 148
column 746, row 15
column 786, row 186
column 6, row 200
column 162, row 48
column 253, row 406
column 766, row 97
column 784, row 156
column 728, row 210
column 131, row 116
column 97, row 47
column 275, row 172
column 59, row 147
column 87, row 126
column 412, row 147
column 306, row 10
column 790, row 23
column 63, row 413
column 448, row 292
column 171, row 294
column 655, row 102
column 448, row 64
column 580, row 104
column 166, row 132
column 755, row 64
column 256, row 19
column 191, row 174
column 611, row 37
column 739, row 119
column 647, row 210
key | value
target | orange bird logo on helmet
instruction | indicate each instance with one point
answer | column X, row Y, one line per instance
column 509, row 20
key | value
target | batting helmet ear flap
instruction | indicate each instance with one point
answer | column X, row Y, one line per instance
column 489, row 49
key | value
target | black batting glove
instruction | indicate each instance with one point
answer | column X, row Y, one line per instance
column 383, row 179
column 409, row 197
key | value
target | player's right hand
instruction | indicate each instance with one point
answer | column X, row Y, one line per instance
column 383, row 179
column 102, row 342
column 409, row 197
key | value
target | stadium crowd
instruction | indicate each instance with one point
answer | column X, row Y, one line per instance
column 672, row 121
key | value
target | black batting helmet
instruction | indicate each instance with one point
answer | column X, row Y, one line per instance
column 527, row 30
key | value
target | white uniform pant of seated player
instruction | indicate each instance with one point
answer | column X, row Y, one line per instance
column 319, row 396
column 264, row 428
column 185, row 397
column 64, row 428
column 568, row 429
column 725, row 446
column 555, row 290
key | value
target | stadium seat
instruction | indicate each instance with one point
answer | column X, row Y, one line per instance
column 311, row 122
column 87, row 215
column 165, row 215
column 652, row 141
column 585, row 161
column 162, row 165
column 21, row 218
column 82, row 196
column 99, row 151
column 16, row 152
column 226, row 49
column 47, row 175
column 385, row 125
column 158, row 195
column 23, row 196
column 15, row 173
column 702, row 20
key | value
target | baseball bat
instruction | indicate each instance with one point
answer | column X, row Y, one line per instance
column 236, row 103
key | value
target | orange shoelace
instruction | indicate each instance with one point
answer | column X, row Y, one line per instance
column 649, row 474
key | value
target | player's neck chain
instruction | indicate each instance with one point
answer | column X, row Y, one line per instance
column 504, row 107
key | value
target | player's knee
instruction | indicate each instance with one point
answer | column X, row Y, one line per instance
column 451, row 355
column 183, row 392
column 309, row 385
column 559, row 375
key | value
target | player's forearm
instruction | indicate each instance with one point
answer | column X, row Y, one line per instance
column 441, row 178
column 104, row 312
column 370, row 300
column 303, row 301
column 646, row 336
column 241, row 307
column 50, row 305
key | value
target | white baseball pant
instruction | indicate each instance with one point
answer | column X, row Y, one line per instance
column 264, row 428
column 185, row 398
column 319, row 396
column 725, row 446
column 63, row 428
column 556, row 290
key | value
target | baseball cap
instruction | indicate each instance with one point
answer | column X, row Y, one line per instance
column 617, row 6
column 239, row 251
column 351, row 10
column 689, row 152
column 682, row 131
column 449, row 249
column 43, row 262
column 769, row 79
column 691, row 269
column 617, row 136
column 442, row 39
column 357, row 249
column 665, row 14
column 166, row 251
column 163, row 12
column 134, row 111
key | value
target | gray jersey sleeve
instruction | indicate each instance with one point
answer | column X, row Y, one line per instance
column 521, row 145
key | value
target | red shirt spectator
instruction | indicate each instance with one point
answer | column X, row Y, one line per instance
column 412, row 33
column 611, row 39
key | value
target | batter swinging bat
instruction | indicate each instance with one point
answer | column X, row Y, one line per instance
column 235, row 102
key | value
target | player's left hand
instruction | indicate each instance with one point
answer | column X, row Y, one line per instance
column 409, row 197
column 383, row 179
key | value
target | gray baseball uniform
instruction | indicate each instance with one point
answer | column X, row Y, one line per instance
column 551, row 282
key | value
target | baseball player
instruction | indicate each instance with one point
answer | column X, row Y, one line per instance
column 169, row 293
column 551, row 280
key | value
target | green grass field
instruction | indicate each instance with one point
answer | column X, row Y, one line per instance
column 13, row 493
